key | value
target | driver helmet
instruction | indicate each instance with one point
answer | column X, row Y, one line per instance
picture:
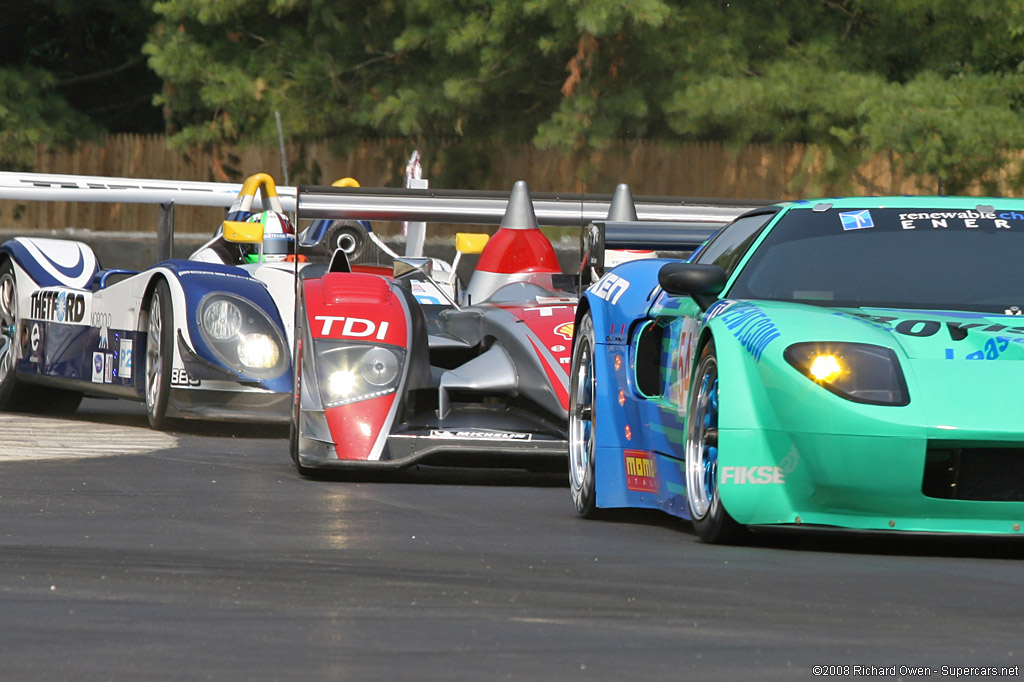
column 278, row 238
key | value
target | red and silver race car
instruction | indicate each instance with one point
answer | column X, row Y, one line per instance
column 397, row 365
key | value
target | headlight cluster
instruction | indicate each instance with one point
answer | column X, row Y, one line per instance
column 860, row 372
column 242, row 336
column 353, row 372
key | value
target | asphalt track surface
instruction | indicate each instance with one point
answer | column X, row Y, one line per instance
column 205, row 556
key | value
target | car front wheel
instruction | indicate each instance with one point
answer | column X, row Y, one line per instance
column 582, row 407
column 159, row 352
column 710, row 519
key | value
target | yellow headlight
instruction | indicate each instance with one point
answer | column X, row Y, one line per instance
column 826, row 367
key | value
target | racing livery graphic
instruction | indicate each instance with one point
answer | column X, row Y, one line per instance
column 208, row 337
column 842, row 363
column 404, row 364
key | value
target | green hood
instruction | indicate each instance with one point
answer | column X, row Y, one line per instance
column 960, row 366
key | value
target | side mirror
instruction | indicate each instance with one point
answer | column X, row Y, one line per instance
column 702, row 282
column 409, row 265
column 241, row 232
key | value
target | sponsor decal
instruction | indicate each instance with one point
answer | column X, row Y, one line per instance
column 856, row 220
column 108, row 368
column 957, row 330
column 97, row 368
column 548, row 310
column 682, row 363
column 470, row 434
column 966, row 219
column 610, row 287
column 353, row 327
column 424, row 294
column 566, row 330
column 756, row 475
column 125, row 359
column 180, row 377
column 35, row 337
column 789, row 463
column 992, row 350
column 640, row 471
column 57, row 305
column 752, row 328
column 716, row 309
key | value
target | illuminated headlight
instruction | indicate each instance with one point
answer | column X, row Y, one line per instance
column 860, row 372
column 221, row 319
column 242, row 336
column 351, row 373
column 257, row 351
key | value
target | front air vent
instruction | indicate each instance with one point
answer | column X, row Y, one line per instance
column 977, row 474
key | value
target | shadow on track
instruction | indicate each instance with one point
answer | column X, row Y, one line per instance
column 128, row 413
column 424, row 474
column 891, row 543
column 818, row 540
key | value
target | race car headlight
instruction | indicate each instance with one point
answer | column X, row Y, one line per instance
column 221, row 319
column 242, row 336
column 860, row 372
column 350, row 373
column 257, row 351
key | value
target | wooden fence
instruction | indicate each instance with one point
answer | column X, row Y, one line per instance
column 692, row 169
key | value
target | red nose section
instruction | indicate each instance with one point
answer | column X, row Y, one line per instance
column 512, row 251
column 358, row 430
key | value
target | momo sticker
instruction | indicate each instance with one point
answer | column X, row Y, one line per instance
column 641, row 474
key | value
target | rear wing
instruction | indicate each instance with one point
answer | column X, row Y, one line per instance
column 114, row 190
column 17, row 186
column 641, row 235
column 484, row 207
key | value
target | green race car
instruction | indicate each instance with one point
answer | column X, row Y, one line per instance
column 852, row 363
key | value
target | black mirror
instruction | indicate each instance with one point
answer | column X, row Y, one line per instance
column 702, row 282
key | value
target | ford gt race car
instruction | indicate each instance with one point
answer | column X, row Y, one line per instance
column 849, row 363
column 404, row 363
column 207, row 337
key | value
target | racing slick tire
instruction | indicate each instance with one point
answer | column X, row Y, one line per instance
column 15, row 394
column 582, row 437
column 348, row 235
column 711, row 521
column 159, row 354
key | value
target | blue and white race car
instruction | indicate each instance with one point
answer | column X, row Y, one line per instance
column 208, row 337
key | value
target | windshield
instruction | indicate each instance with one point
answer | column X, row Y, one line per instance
column 892, row 257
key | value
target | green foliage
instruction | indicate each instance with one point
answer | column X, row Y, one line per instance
column 32, row 114
column 70, row 69
column 935, row 86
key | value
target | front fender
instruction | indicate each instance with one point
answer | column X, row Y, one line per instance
column 622, row 296
column 191, row 283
